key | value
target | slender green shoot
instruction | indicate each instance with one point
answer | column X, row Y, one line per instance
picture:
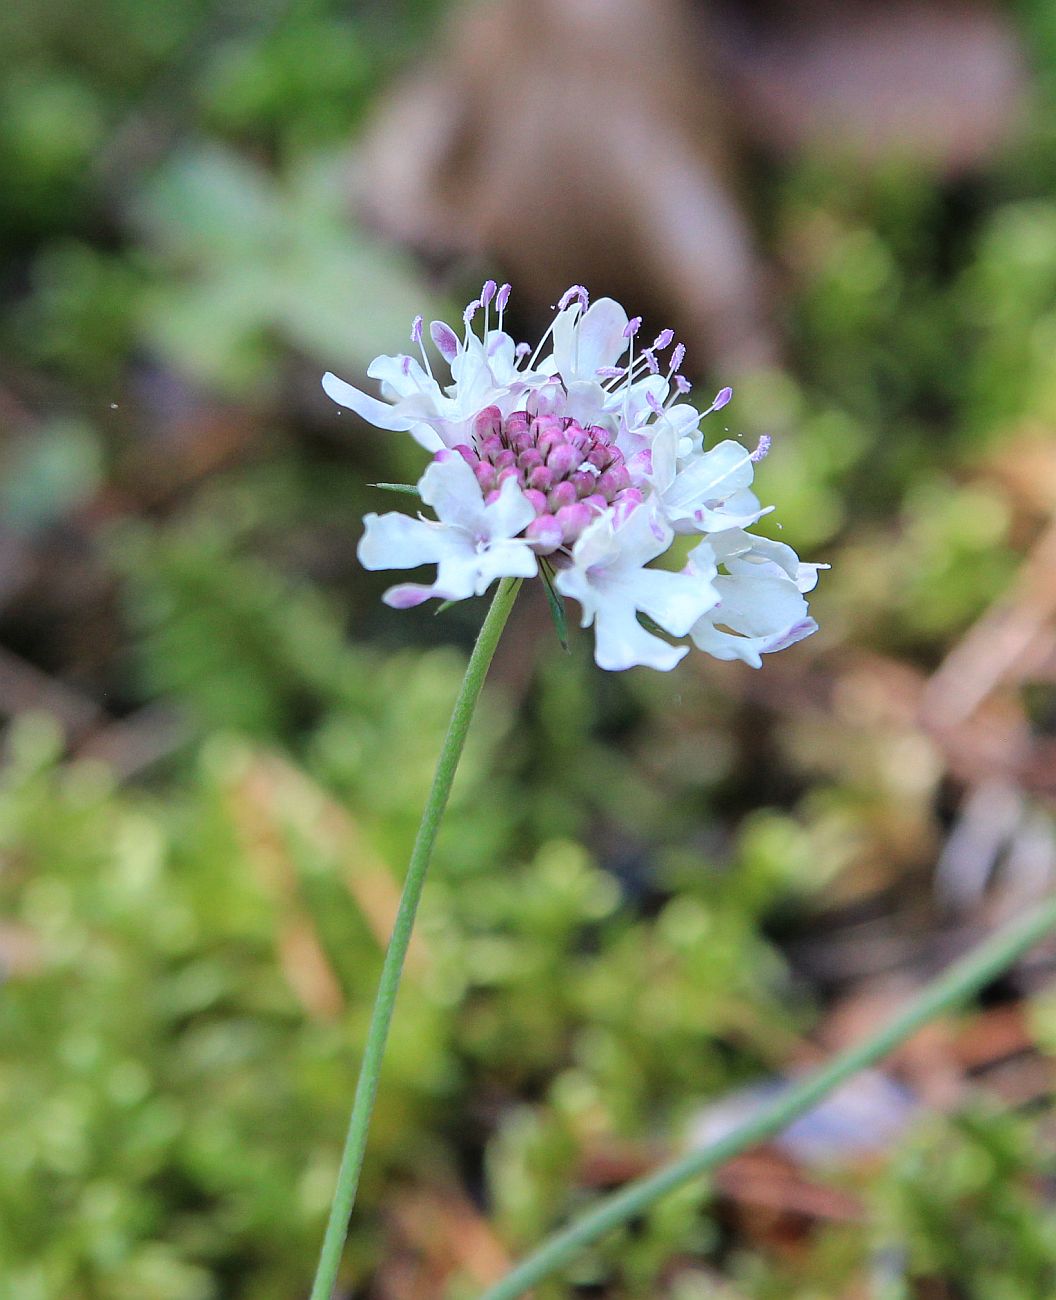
column 949, row 990
column 374, row 1050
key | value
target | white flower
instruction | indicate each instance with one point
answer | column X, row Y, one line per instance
column 584, row 456
column 760, row 605
column 609, row 579
column 484, row 373
column 471, row 545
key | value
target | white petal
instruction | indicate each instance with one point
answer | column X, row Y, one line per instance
column 504, row 559
column 641, row 537
column 380, row 414
column 396, row 541
column 600, row 342
column 758, row 605
column 451, row 488
column 584, row 344
column 585, row 402
column 621, row 642
column 711, row 476
column 402, row 376
column 673, row 600
column 756, row 614
column 741, row 510
column 510, row 514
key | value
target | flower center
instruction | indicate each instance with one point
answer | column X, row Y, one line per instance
column 568, row 473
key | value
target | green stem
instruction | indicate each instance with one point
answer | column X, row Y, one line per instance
column 370, row 1068
column 962, row 979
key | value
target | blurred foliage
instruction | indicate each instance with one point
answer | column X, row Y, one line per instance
column 191, row 956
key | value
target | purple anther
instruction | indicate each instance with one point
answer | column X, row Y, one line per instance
column 541, row 478
column 501, row 299
column 632, row 327
column 655, row 405
column 563, row 494
column 575, row 291
column 762, row 450
column 405, row 365
column 521, row 351
column 416, row 330
column 487, row 424
column 544, row 534
column 563, row 459
column 467, row 454
column 504, row 459
column 682, row 384
column 584, row 482
column 488, row 292
column 610, row 372
column 613, row 481
column 573, row 519
column 485, row 475
column 651, row 361
column 529, row 459
column 721, row 398
column 677, row 357
column 663, row 340
column 445, row 339
column 536, row 499
column 471, row 310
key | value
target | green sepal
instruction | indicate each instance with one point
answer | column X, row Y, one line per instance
column 398, row 487
column 557, row 606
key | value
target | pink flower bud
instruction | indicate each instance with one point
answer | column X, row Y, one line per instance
column 487, row 422
column 547, row 441
column 545, row 534
column 573, row 519
column 614, row 480
column 517, row 422
column 537, row 499
column 486, row 476
column 564, row 494
column 541, row 478
column 563, row 460
column 467, row 454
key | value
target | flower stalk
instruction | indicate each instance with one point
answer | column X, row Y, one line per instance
column 388, row 986
column 965, row 977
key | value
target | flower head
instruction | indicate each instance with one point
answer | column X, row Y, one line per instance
column 583, row 457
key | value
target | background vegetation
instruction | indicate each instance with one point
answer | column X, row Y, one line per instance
column 654, row 896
